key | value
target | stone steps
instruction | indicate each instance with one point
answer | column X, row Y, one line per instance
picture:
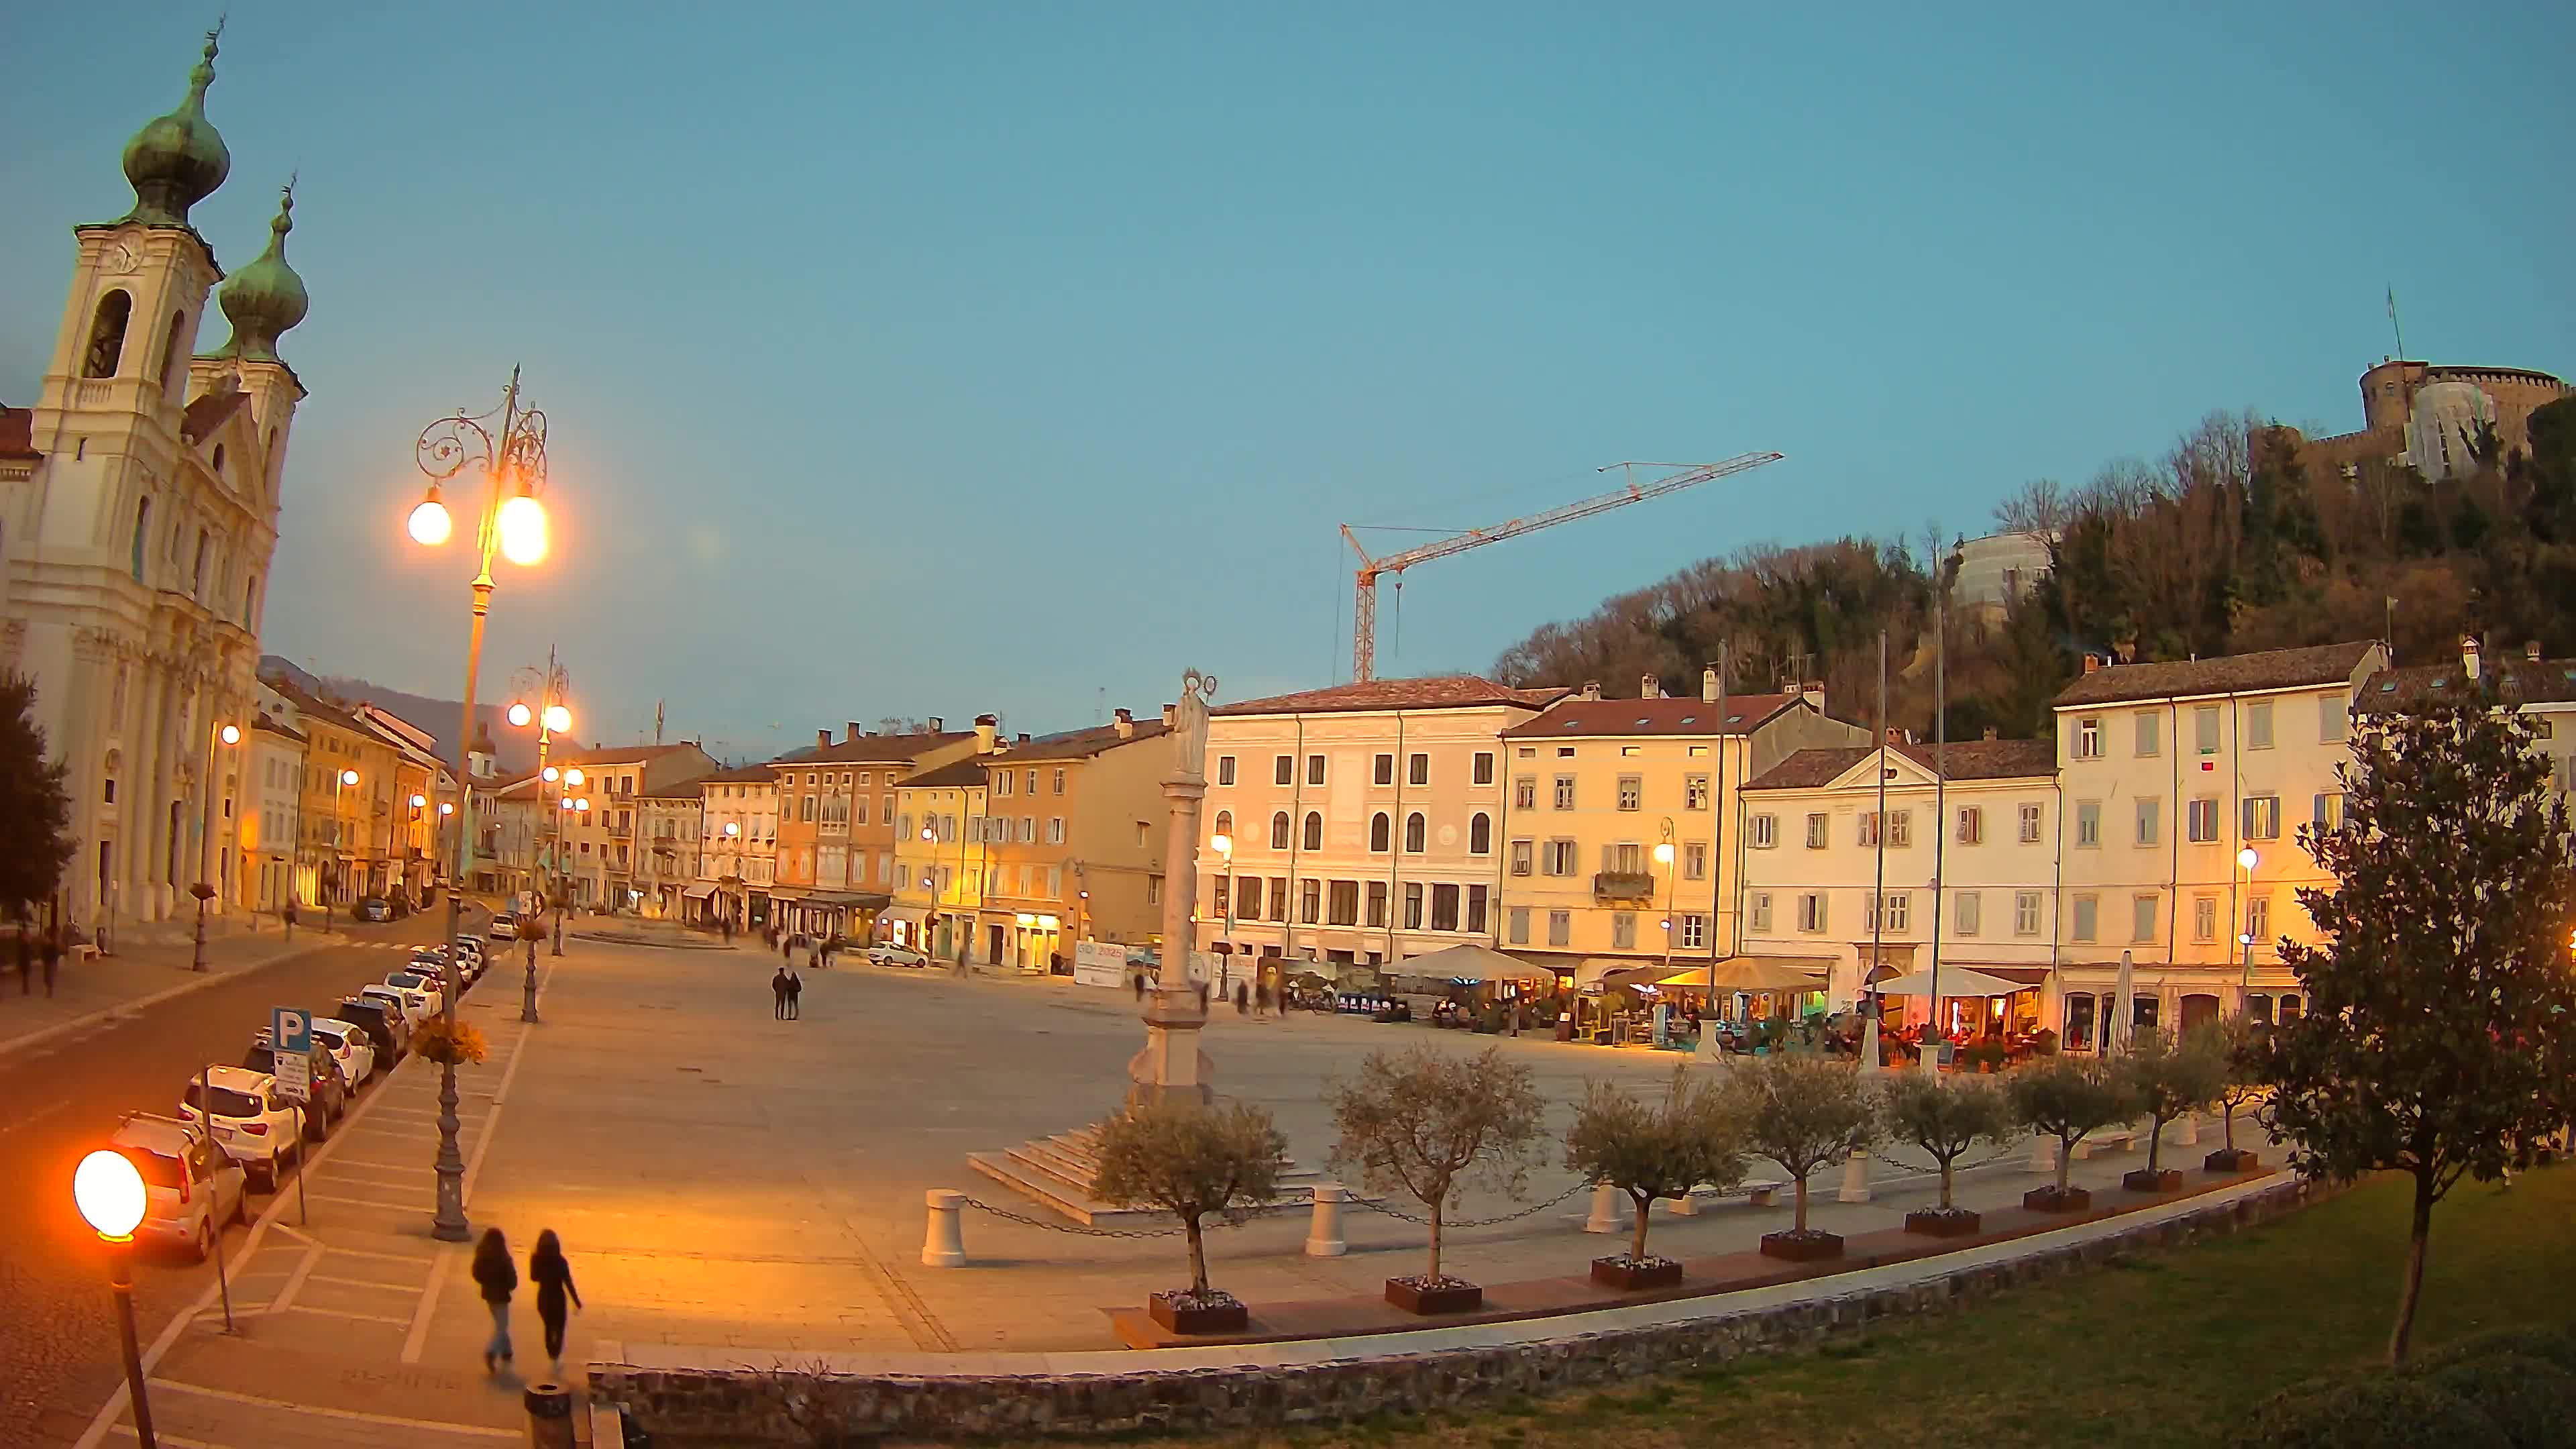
column 1058, row 1171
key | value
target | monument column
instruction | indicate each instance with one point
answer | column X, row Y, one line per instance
column 1171, row 1065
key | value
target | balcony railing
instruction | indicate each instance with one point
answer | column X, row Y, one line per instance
column 1623, row 885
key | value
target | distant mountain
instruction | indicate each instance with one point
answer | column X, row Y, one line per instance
column 437, row 717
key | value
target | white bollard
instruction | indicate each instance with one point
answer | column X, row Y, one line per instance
column 1855, row 1186
column 1686, row 1206
column 2043, row 1153
column 1605, row 1210
column 942, row 1244
column 2189, row 1136
column 1324, row 1229
column 1710, row 1049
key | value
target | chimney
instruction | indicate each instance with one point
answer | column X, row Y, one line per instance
column 1990, row 732
column 1168, row 711
column 2469, row 657
column 937, row 725
column 2531, row 651
column 2092, row 661
column 1592, row 689
column 1895, row 736
column 987, row 727
column 1125, row 723
column 822, row 738
column 1708, row 685
column 1023, row 738
column 850, row 730
column 1649, row 687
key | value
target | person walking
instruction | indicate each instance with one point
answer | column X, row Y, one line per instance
column 1242, row 998
column 553, row 1279
column 498, row 1278
column 778, row 993
column 795, row 996
column 53, row 957
column 289, row 914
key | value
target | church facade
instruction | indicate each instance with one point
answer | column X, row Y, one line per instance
column 138, row 518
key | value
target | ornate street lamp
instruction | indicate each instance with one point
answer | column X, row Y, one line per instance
column 108, row 1190
column 513, row 522
column 223, row 738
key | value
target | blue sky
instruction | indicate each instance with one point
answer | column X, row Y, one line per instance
column 933, row 360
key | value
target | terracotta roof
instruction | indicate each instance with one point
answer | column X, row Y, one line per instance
column 867, row 749
column 615, row 754
column 266, row 725
column 2517, row 681
column 759, row 774
column 1963, row 760
column 208, row 412
column 18, row 433
column 2227, row 674
column 953, row 774
column 1577, row 718
column 1077, row 744
column 1438, row 691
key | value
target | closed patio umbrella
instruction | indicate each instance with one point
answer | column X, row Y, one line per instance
column 2124, row 1016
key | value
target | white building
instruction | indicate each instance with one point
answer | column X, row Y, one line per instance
column 138, row 515
column 1825, row 884
column 1366, row 820
column 2168, row 773
column 274, row 767
column 668, row 823
column 738, row 863
column 1995, row 570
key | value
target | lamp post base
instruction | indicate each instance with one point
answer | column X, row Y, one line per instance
column 121, row 1283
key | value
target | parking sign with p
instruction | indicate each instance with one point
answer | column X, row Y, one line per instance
column 290, row 1033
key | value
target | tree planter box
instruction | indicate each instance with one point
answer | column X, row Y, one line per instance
column 1184, row 1312
column 2167, row 1179
column 1937, row 1223
column 2231, row 1160
column 2050, row 1200
column 1812, row 1246
column 1632, row 1274
column 1439, row 1295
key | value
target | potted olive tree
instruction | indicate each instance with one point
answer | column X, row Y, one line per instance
column 1427, row 1122
column 2068, row 1098
column 1652, row 1150
column 2241, row 1085
column 1191, row 1160
column 1945, row 1116
column 2168, row 1076
column 1805, row 1113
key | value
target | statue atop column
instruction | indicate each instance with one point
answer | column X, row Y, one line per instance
column 1190, row 726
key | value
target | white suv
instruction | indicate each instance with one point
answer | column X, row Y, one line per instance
column 414, row 1005
column 190, row 1188
column 505, row 927
column 350, row 1045
column 251, row 1122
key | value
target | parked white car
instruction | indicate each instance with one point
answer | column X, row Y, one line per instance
column 892, row 955
column 505, row 927
column 414, row 1005
column 191, row 1188
column 252, row 1124
column 350, row 1045
column 427, row 979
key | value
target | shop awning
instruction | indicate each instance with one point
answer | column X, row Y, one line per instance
column 697, row 892
column 1609, row 973
column 846, row 899
column 1759, row 973
column 1470, row 962
column 910, row 915
column 1956, row 981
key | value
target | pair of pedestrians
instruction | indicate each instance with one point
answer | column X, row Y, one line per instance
column 499, row 1278
column 787, row 988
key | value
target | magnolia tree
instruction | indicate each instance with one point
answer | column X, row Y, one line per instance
column 2441, row 1006
column 1803, row 1112
column 2167, row 1076
column 1655, row 1149
column 1946, row 1116
column 2070, row 1099
column 1426, row 1122
column 1190, row 1160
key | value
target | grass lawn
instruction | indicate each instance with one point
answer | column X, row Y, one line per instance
column 2169, row 1349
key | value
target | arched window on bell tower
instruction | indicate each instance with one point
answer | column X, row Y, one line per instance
column 107, row 334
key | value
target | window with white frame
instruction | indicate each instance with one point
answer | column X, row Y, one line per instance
column 1283, row 771
column 1966, row 909
column 1484, row 768
column 2088, row 738
column 2201, row 827
column 1525, row 792
column 1764, row 831
column 1868, row 835
column 2258, row 918
column 1480, row 834
column 1757, row 908
column 2026, row 913
column 1694, row 933
column 1524, row 852
column 1972, row 824
column 1565, row 792
column 1811, row 912
column 1314, row 769
column 2329, row 810
column 1632, row 792
column 2204, row 919
column 2033, row 820
column 1225, row 769
column 1557, row 858
column 1560, row 928
column 1417, row 770
column 2258, row 725
column 2262, row 817
column 1900, row 827
column 1623, row 930
column 1694, row 792
column 1695, row 860
column 1819, row 830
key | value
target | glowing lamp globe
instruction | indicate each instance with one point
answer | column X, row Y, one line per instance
column 446, row 807
column 229, row 734
column 2246, row 857
column 430, row 524
column 1664, row 853
column 519, row 716
column 348, row 777
column 522, row 528
column 582, row 804
column 1222, row 844
column 558, row 718
column 417, row 801
column 573, row 776
column 109, row 1193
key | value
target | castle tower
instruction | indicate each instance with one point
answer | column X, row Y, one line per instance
column 138, row 548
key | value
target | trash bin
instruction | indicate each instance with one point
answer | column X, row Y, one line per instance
column 1565, row 1026
column 549, row 1409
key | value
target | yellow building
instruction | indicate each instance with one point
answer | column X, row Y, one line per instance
column 1614, row 853
column 939, row 859
column 1073, row 838
column 345, row 837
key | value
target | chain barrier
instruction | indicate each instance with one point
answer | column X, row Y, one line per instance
column 1402, row 1216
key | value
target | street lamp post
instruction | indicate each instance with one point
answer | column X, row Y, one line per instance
column 108, row 1190
column 223, row 736
column 1664, row 858
column 2245, row 936
column 1224, row 845
column 514, row 522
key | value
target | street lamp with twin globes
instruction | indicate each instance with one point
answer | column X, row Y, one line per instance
column 223, row 738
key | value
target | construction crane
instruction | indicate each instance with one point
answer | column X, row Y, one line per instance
column 1364, row 606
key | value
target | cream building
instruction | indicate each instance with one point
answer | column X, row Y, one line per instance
column 1074, row 830
column 1964, row 858
column 271, row 807
column 600, row 851
column 138, row 516
column 2545, row 689
column 939, row 858
column 737, row 864
column 1599, row 786
column 1367, row 821
column 669, row 824
column 2168, row 772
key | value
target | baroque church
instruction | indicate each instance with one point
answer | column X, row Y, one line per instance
column 138, row 516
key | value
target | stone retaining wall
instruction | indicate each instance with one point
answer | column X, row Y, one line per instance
column 787, row 1406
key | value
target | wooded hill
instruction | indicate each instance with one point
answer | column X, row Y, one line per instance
column 2229, row 543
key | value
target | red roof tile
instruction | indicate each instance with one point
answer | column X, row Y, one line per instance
column 1438, row 691
column 18, row 433
column 1079, row 744
column 2227, row 674
column 1578, row 718
column 1963, row 760
column 873, row 749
